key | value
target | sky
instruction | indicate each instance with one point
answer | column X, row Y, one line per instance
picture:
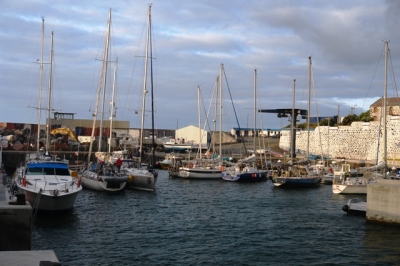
column 190, row 41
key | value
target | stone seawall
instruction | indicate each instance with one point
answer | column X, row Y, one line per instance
column 360, row 141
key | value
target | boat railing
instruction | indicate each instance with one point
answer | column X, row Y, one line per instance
column 67, row 186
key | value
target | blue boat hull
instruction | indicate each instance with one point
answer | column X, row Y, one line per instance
column 245, row 177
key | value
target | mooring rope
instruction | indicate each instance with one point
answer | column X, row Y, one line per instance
column 36, row 206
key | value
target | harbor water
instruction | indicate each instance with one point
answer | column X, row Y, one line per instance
column 214, row 222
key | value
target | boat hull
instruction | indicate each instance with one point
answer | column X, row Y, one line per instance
column 62, row 201
column 245, row 177
column 198, row 173
column 297, row 182
column 349, row 189
column 355, row 207
column 99, row 183
column 141, row 180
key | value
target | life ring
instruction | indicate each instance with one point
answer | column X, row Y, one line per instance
column 79, row 182
column 24, row 182
column 190, row 165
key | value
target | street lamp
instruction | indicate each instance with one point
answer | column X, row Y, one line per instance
column 354, row 109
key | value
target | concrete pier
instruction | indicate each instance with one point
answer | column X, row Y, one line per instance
column 383, row 202
column 16, row 234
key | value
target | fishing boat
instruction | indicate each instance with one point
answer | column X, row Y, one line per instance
column 103, row 175
column 46, row 181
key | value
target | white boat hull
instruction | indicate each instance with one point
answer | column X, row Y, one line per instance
column 91, row 181
column 141, row 179
column 45, row 190
column 200, row 173
column 349, row 189
column 50, row 202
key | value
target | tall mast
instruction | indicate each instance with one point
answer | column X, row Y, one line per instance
column 99, row 87
column 215, row 114
column 385, row 107
column 220, row 109
column 199, row 118
column 48, row 126
column 152, row 93
column 255, row 103
column 308, row 115
column 107, row 46
column 40, row 88
column 293, row 130
column 112, row 103
column 146, row 59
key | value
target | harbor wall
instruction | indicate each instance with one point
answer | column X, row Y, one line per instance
column 383, row 202
column 15, row 226
column 360, row 141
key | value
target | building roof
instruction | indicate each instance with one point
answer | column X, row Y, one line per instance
column 394, row 101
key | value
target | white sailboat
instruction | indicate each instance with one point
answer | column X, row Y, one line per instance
column 140, row 177
column 46, row 181
column 200, row 168
column 103, row 175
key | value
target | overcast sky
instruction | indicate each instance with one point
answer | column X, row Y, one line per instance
column 191, row 39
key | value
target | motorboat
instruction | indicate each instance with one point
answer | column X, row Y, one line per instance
column 48, row 183
column 355, row 206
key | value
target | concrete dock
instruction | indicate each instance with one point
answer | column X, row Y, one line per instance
column 15, row 233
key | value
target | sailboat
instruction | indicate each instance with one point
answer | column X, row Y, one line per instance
column 140, row 177
column 243, row 171
column 46, row 180
column 299, row 176
column 358, row 185
column 103, row 175
column 201, row 168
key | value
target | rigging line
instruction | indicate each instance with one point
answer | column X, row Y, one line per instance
column 129, row 100
column 373, row 78
column 393, row 77
column 317, row 111
column 234, row 110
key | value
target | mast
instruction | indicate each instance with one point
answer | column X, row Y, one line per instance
column 146, row 60
column 40, row 88
column 199, row 118
column 152, row 93
column 112, row 103
column 103, row 73
column 308, row 115
column 255, row 104
column 48, row 126
column 215, row 113
column 220, row 110
column 385, row 107
column 107, row 46
column 293, row 130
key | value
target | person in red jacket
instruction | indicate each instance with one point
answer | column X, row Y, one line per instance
column 119, row 163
